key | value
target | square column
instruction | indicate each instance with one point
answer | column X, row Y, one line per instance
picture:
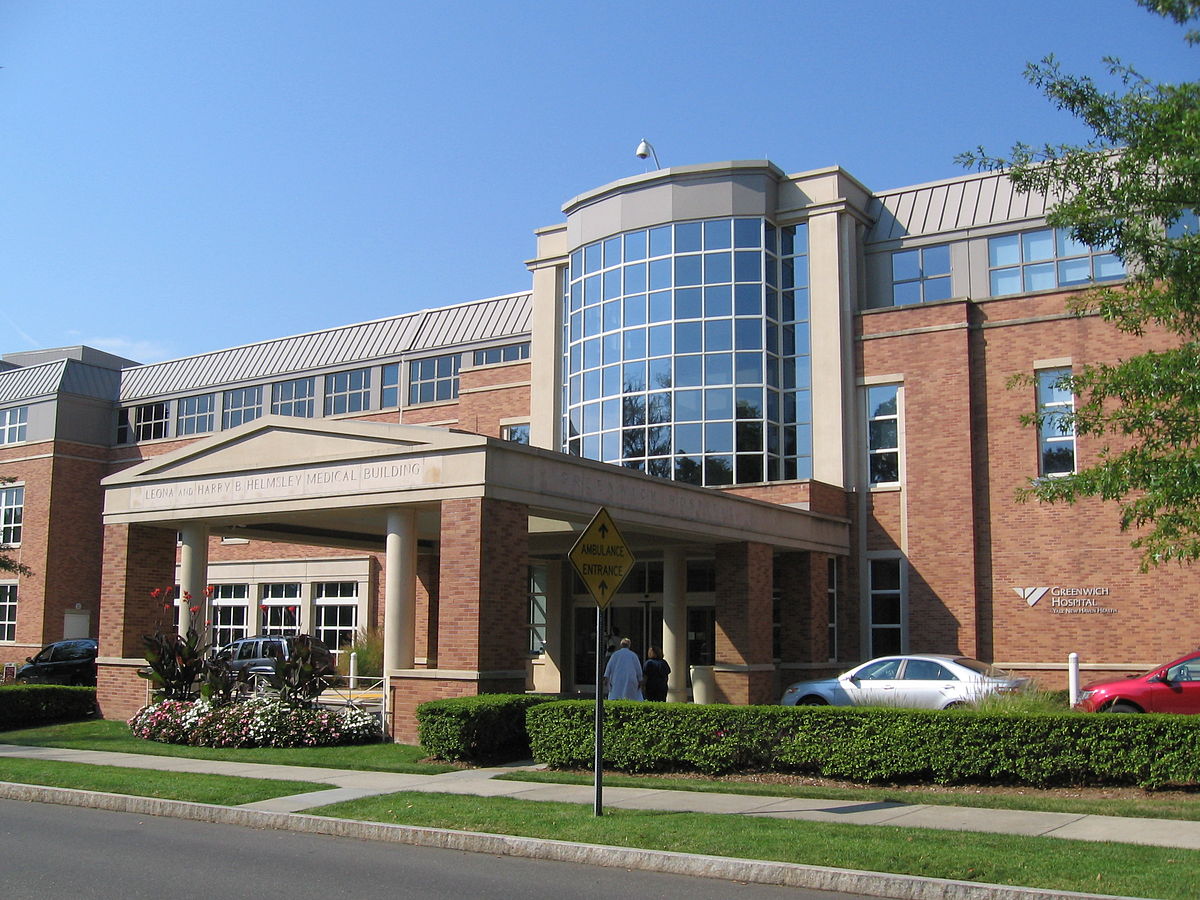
column 743, row 667
column 137, row 560
column 482, row 608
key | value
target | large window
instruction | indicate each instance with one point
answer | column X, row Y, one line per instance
column 883, row 434
column 433, row 379
column 229, row 613
column 280, row 609
column 8, row 611
column 518, row 434
column 1056, row 433
column 12, row 511
column 539, row 588
column 13, row 424
column 347, row 392
column 887, row 615
column 194, row 415
column 687, row 352
column 294, row 398
column 389, row 386
column 337, row 613
column 921, row 275
column 242, row 405
column 1044, row 259
column 148, row 422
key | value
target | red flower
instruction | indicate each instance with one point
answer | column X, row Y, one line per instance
column 292, row 609
column 194, row 609
column 208, row 591
column 263, row 607
column 156, row 593
column 187, row 596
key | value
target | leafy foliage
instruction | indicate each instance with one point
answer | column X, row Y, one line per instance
column 1134, row 187
column 256, row 722
column 37, row 704
column 300, row 677
column 875, row 745
column 484, row 728
column 175, row 662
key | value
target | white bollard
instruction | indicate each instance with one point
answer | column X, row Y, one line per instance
column 353, row 671
column 1073, row 677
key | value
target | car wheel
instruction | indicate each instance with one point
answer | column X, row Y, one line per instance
column 812, row 700
column 957, row 704
column 1120, row 707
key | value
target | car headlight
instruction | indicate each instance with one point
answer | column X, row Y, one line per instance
column 1086, row 695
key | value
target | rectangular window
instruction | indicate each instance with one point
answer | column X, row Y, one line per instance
column 1056, row 431
column 433, row 379
column 195, row 415
column 336, row 613
column 539, row 587
column 518, row 434
column 390, row 386
column 12, row 511
column 493, row 355
column 8, row 612
column 887, row 618
column 242, row 405
column 921, row 275
column 12, row 424
column 280, row 609
column 883, row 434
column 1044, row 259
column 347, row 392
column 294, row 398
column 831, row 595
column 229, row 613
column 150, row 423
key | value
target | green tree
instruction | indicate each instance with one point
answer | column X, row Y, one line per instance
column 7, row 563
column 1134, row 187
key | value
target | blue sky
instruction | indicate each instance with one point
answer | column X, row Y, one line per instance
column 178, row 176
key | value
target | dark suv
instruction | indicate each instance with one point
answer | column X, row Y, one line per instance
column 63, row 662
column 257, row 655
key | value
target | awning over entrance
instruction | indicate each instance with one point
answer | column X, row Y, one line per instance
column 334, row 483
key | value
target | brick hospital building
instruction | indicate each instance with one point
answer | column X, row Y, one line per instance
column 790, row 392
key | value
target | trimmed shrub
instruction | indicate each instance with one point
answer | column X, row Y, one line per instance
column 483, row 728
column 24, row 705
column 875, row 745
column 258, row 722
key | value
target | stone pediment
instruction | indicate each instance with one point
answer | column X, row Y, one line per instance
column 280, row 442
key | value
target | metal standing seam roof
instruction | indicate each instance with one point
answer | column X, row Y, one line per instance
column 481, row 320
column 977, row 200
column 67, row 376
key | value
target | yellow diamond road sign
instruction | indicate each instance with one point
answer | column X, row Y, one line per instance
column 601, row 557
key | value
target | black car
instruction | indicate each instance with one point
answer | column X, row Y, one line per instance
column 258, row 654
column 63, row 662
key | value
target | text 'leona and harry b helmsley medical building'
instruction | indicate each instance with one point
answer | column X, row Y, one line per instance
column 789, row 392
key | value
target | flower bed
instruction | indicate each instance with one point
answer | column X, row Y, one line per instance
column 258, row 722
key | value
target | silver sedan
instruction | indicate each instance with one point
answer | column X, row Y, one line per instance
column 928, row 681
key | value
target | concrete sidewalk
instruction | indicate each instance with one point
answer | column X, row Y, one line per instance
column 349, row 785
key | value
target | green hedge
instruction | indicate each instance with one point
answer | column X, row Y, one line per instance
column 38, row 704
column 484, row 728
column 875, row 745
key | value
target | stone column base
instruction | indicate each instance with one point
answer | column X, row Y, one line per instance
column 120, row 691
column 412, row 687
column 745, row 685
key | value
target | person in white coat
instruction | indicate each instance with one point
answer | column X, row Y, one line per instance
column 623, row 674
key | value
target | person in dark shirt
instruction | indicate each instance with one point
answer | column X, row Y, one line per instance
column 655, row 673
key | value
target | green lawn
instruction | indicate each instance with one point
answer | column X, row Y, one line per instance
column 195, row 787
column 102, row 734
column 1049, row 863
column 1146, row 804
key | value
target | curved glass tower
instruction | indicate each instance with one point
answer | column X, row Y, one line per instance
column 686, row 351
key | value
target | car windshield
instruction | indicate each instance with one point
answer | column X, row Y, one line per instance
column 981, row 667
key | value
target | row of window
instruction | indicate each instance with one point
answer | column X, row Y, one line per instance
column 1056, row 433
column 1036, row 260
column 430, row 380
column 334, row 613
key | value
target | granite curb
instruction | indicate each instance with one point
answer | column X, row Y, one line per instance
column 874, row 884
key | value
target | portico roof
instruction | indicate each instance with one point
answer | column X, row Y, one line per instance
column 332, row 483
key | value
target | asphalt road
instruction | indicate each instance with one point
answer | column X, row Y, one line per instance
column 49, row 851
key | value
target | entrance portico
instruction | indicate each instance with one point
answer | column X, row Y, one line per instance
column 456, row 520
